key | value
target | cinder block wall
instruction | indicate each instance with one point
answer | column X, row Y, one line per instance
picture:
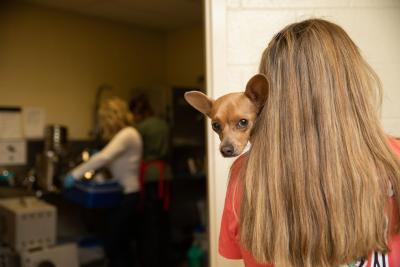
column 238, row 32
column 373, row 25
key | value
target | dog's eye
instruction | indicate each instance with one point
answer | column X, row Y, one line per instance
column 242, row 123
column 216, row 126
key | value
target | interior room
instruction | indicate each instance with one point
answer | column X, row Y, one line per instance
column 193, row 133
column 60, row 62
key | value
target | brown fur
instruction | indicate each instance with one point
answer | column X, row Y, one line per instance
column 229, row 109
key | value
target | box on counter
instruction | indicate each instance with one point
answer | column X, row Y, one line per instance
column 92, row 194
column 65, row 255
column 27, row 223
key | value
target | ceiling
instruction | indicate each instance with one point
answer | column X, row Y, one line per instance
column 157, row 14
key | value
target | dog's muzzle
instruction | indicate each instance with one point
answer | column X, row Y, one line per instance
column 227, row 150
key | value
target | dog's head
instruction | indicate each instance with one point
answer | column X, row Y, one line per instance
column 233, row 115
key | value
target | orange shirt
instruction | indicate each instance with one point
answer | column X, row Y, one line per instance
column 229, row 246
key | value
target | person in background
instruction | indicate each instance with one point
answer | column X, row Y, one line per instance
column 154, row 130
column 122, row 155
column 155, row 175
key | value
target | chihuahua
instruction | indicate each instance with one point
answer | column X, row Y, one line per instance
column 233, row 115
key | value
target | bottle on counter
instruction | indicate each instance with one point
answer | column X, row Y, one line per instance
column 196, row 254
column 7, row 178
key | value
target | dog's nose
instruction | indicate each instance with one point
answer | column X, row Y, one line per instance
column 227, row 150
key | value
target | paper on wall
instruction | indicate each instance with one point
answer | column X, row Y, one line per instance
column 34, row 120
column 12, row 152
column 10, row 123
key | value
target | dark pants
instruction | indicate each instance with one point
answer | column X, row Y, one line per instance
column 155, row 233
column 123, row 223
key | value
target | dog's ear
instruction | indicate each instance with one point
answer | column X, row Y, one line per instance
column 199, row 101
column 257, row 90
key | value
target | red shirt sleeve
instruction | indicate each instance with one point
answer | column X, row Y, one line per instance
column 394, row 240
column 395, row 145
column 228, row 237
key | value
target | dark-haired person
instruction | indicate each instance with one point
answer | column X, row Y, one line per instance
column 155, row 175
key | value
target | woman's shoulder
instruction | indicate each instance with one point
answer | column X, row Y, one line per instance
column 129, row 133
column 395, row 145
column 128, row 130
column 235, row 171
column 239, row 162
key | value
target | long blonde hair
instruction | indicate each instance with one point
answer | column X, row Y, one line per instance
column 316, row 182
column 114, row 115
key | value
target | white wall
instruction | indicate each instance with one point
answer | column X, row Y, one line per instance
column 239, row 30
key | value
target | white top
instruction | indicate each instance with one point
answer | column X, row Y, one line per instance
column 122, row 155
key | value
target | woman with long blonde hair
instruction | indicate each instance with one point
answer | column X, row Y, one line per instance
column 122, row 155
column 320, row 185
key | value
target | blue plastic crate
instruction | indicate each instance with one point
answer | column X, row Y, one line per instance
column 91, row 194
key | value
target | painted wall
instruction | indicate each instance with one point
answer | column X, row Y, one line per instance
column 239, row 30
column 184, row 65
column 56, row 60
column 185, row 61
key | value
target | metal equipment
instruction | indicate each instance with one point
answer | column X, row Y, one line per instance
column 49, row 163
column 27, row 223
column 28, row 232
column 8, row 257
column 58, row 256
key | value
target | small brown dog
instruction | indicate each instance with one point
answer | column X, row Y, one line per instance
column 233, row 115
